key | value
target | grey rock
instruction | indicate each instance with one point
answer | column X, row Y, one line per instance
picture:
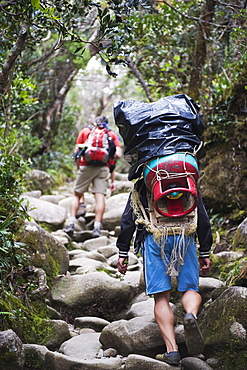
column 114, row 209
column 240, row 237
column 227, row 256
column 133, row 260
column 94, row 323
column 57, row 333
column 137, row 336
column 213, row 362
column 33, row 193
column 110, row 352
column 85, row 264
column 207, row 284
column 83, row 346
column 145, row 308
column 108, row 251
column 91, row 294
column 94, row 244
column 44, row 250
column 35, row 356
column 137, row 362
column 52, row 198
column 48, row 212
column 133, row 278
column 58, row 361
column 82, row 236
column 11, row 351
column 224, row 321
column 194, row 363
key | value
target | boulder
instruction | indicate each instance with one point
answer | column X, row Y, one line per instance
column 34, row 356
column 43, row 249
column 11, row 351
column 52, row 198
column 83, row 265
column 193, row 363
column 115, row 206
column 94, row 323
column 92, row 294
column 42, row 211
column 84, row 346
column 224, row 323
column 240, row 237
column 58, row 361
column 137, row 362
column 57, row 331
column 94, row 244
column 139, row 335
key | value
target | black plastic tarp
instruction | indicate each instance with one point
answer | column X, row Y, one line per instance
column 170, row 125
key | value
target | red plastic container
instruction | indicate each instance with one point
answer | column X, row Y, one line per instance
column 172, row 181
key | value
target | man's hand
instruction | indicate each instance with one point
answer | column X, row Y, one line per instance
column 112, row 187
column 122, row 265
column 205, row 264
column 118, row 153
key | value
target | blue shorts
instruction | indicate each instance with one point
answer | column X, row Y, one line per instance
column 156, row 279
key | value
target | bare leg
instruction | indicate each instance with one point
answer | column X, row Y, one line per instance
column 191, row 301
column 74, row 205
column 165, row 319
column 82, row 199
column 99, row 206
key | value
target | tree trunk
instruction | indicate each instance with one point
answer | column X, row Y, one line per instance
column 201, row 49
column 9, row 64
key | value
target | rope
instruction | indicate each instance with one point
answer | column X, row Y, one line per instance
column 161, row 232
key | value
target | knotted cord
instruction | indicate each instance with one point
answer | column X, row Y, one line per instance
column 161, row 232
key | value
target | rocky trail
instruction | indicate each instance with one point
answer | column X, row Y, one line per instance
column 101, row 320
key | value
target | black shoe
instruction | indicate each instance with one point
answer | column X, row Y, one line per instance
column 193, row 336
column 69, row 229
column 81, row 211
column 171, row 358
column 96, row 233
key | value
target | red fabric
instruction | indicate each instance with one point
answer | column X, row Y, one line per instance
column 83, row 135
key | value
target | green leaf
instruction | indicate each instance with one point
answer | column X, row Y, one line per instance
column 36, row 4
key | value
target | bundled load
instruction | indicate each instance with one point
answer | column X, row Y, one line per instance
column 163, row 143
column 170, row 125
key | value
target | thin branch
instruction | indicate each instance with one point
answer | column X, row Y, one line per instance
column 139, row 77
column 47, row 55
column 60, row 95
column 9, row 3
column 230, row 5
column 200, row 20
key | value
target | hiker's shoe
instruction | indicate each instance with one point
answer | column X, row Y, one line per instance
column 69, row 229
column 171, row 358
column 96, row 233
column 81, row 211
column 193, row 336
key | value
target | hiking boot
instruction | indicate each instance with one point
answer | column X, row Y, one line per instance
column 171, row 358
column 96, row 233
column 193, row 336
column 69, row 229
column 81, row 211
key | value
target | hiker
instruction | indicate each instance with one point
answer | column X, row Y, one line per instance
column 82, row 206
column 163, row 145
column 96, row 147
column 158, row 282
